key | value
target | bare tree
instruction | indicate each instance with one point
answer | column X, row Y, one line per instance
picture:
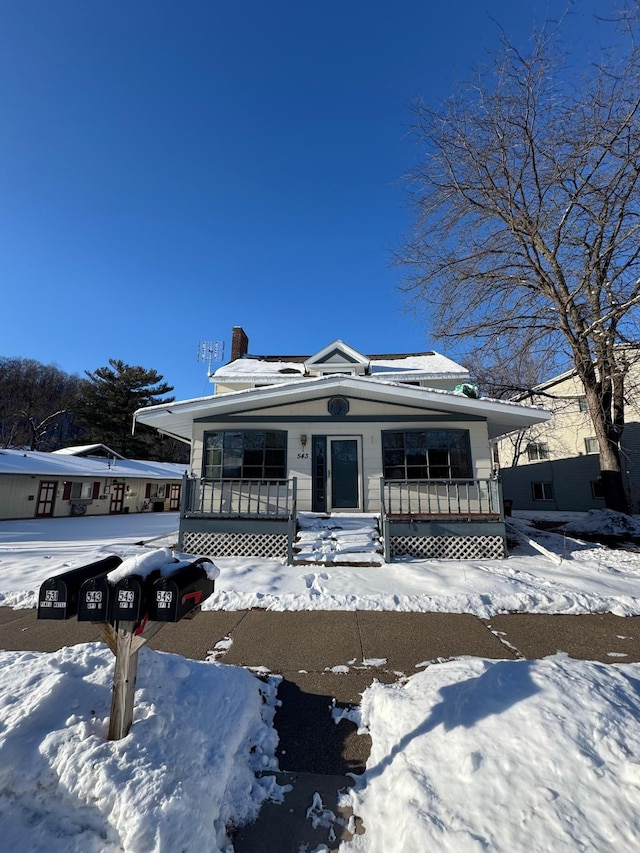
column 35, row 404
column 527, row 198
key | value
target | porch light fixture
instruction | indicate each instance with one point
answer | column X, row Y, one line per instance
column 303, row 440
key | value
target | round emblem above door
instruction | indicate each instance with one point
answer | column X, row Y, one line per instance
column 338, row 406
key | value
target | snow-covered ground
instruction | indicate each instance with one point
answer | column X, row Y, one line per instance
column 471, row 754
column 186, row 771
column 555, row 574
column 479, row 755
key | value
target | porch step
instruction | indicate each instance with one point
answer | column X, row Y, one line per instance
column 338, row 539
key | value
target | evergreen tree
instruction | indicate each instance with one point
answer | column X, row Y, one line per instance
column 112, row 394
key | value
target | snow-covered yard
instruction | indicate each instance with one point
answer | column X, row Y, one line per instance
column 560, row 575
column 467, row 755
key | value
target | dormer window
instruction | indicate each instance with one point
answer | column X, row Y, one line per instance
column 337, row 357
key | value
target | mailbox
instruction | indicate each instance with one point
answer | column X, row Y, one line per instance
column 94, row 604
column 59, row 595
column 128, row 599
column 176, row 595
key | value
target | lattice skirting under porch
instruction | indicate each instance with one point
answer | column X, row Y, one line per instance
column 264, row 545
column 448, row 547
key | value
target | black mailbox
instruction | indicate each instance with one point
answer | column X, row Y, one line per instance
column 177, row 594
column 94, row 604
column 128, row 599
column 58, row 598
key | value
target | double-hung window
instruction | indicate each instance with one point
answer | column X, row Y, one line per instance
column 245, row 455
column 537, row 450
column 591, row 445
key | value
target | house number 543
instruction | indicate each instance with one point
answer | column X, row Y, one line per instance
column 303, row 455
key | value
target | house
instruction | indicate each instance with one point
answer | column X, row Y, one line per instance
column 556, row 465
column 340, row 432
column 88, row 480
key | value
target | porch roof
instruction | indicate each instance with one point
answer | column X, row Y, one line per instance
column 176, row 419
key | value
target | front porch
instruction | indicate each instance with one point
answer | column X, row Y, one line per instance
column 442, row 519
column 428, row 519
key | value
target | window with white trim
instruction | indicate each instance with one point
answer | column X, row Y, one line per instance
column 430, row 454
column 245, row 455
column 591, row 445
column 81, row 491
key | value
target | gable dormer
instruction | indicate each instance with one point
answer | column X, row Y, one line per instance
column 337, row 357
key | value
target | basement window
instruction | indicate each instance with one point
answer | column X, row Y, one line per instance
column 542, row 491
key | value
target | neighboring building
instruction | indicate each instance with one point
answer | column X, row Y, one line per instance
column 91, row 480
column 339, row 431
column 556, row 465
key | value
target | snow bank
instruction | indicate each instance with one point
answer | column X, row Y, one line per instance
column 508, row 756
column 605, row 522
column 185, row 772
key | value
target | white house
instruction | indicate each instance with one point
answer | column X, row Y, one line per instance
column 339, row 431
column 88, row 480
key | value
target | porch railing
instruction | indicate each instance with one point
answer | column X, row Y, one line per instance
column 240, row 498
column 441, row 497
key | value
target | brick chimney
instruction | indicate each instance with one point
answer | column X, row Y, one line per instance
column 239, row 343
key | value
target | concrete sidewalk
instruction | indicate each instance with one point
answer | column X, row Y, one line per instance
column 318, row 640
column 329, row 658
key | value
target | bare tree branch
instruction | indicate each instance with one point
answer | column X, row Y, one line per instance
column 527, row 226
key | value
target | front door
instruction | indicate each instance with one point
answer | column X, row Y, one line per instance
column 343, row 474
column 46, row 498
column 174, row 496
column 117, row 497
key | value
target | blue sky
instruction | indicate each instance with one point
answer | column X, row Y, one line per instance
column 171, row 169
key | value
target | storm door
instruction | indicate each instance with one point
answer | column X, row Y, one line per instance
column 344, row 473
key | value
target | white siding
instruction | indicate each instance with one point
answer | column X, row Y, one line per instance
column 392, row 417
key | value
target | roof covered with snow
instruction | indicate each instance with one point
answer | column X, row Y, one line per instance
column 176, row 419
column 421, row 365
column 34, row 462
column 89, row 450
